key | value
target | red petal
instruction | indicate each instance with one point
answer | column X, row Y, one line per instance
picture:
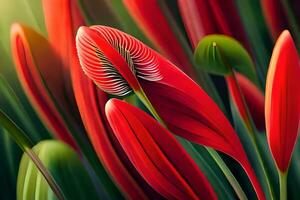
column 62, row 18
column 275, row 16
column 100, row 59
column 282, row 107
column 156, row 154
column 39, row 71
column 253, row 97
column 255, row 100
column 95, row 124
column 151, row 19
column 195, row 15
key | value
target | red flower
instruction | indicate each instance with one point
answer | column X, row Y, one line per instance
column 282, row 107
column 156, row 154
column 120, row 64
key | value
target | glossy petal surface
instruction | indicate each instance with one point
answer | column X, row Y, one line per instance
column 282, row 106
column 156, row 154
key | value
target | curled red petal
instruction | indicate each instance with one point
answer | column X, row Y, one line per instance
column 39, row 71
column 282, row 105
column 156, row 154
column 114, row 60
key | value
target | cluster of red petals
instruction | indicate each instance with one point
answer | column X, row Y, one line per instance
column 282, row 106
column 91, row 101
column 156, row 154
column 186, row 109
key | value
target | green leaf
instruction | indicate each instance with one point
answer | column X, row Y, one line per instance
column 14, row 108
column 66, row 168
column 241, row 129
column 25, row 144
column 10, row 155
column 220, row 54
column 294, row 173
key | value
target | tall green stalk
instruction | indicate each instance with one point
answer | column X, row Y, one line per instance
column 283, row 185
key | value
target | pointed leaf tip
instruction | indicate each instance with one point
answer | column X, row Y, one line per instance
column 219, row 54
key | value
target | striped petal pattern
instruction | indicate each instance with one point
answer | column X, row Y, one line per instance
column 128, row 61
column 156, row 154
column 282, row 107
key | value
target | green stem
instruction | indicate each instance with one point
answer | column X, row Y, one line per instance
column 15, row 132
column 230, row 177
column 142, row 96
column 234, row 183
column 25, row 144
column 283, row 185
column 251, row 133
